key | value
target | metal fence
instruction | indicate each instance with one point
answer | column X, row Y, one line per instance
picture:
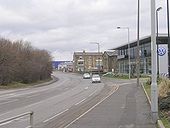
column 19, row 116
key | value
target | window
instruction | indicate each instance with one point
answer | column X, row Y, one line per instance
column 80, row 63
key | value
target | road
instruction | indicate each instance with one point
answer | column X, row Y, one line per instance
column 65, row 104
column 52, row 101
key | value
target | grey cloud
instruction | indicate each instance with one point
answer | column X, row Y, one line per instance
column 65, row 26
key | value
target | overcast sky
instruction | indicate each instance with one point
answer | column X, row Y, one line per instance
column 65, row 26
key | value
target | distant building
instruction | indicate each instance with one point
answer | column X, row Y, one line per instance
column 63, row 65
column 56, row 63
column 87, row 62
column 66, row 66
column 109, row 61
column 145, row 56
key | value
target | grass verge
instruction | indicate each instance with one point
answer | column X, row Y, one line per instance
column 15, row 85
column 162, row 115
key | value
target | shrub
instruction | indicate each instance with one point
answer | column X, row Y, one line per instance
column 164, row 88
column 164, row 95
column 164, row 103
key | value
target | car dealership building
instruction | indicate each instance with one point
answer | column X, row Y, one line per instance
column 145, row 56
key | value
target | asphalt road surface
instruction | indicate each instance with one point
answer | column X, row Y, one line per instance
column 71, row 101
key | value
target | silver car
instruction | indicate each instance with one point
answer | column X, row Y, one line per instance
column 96, row 78
column 86, row 76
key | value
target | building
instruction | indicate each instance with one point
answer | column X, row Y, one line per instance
column 55, row 64
column 66, row 66
column 109, row 61
column 145, row 56
column 87, row 62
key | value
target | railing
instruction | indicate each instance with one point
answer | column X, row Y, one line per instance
column 19, row 116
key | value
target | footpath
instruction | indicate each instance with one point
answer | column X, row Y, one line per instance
column 126, row 108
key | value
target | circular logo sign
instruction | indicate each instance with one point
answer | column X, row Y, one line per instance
column 161, row 51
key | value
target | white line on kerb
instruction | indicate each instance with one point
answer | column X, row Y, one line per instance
column 90, row 108
column 80, row 101
column 55, row 116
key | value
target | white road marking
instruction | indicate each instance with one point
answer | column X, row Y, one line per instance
column 126, row 83
column 9, row 101
column 29, row 127
column 80, row 101
column 90, row 108
column 32, row 95
column 92, row 94
column 55, row 116
column 86, row 88
column 8, row 95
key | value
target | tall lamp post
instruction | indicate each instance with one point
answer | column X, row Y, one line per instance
column 138, row 48
column 98, row 47
column 157, row 10
column 154, row 88
column 128, row 48
column 168, row 39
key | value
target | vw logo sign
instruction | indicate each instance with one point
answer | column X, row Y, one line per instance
column 161, row 51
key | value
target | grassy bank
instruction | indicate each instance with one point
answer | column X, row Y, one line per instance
column 162, row 114
column 15, row 85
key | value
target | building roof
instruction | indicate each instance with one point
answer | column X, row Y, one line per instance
column 162, row 39
column 87, row 53
column 111, row 53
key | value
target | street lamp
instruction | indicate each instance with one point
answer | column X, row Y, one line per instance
column 128, row 48
column 154, row 88
column 98, row 47
column 138, row 48
column 168, row 39
column 157, row 10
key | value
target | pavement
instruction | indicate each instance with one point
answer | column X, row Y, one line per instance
column 126, row 108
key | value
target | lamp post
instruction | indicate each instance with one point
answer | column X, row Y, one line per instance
column 98, row 47
column 154, row 88
column 157, row 10
column 128, row 48
column 168, row 39
column 138, row 49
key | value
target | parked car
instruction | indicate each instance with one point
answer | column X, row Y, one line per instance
column 96, row 78
column 86, row 76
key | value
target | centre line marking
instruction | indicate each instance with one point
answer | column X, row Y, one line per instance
column 80, row 101
column 86, row 88
column 91, row 108
column 92, row 94
column 55, row 116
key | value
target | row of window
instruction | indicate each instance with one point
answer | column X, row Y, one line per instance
column 145, row 50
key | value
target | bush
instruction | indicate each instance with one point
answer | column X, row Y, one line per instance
column 164, row 103
column 20, row 62
column 164, row 88
column 164, row 95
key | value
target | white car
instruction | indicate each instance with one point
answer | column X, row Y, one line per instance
column 96, row 78
column 86, row 76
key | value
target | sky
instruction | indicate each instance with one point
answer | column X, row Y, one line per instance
column 63, row 27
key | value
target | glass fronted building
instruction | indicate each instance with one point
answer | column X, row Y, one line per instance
column 145, row 55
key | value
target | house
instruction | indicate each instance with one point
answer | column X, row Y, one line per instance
column 109, row 61
column 87, row 62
